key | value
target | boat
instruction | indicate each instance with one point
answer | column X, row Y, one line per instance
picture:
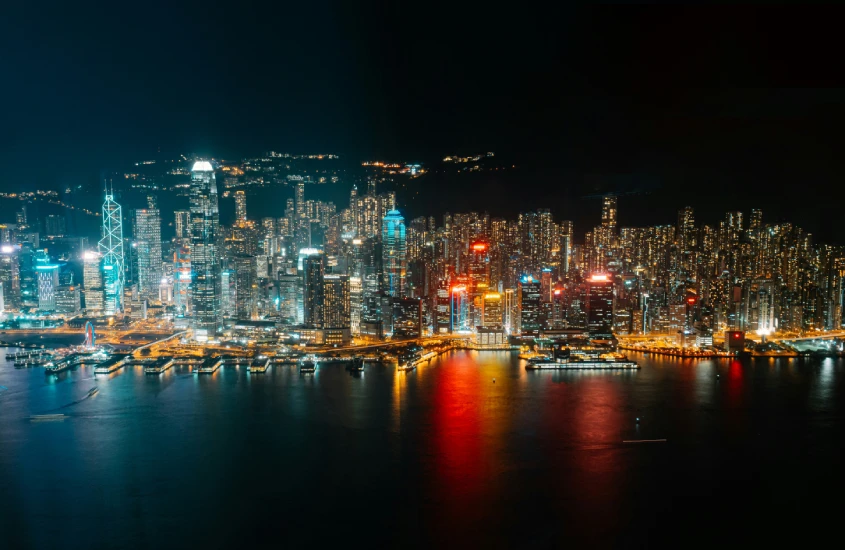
column 356, row 365
column 307, row 366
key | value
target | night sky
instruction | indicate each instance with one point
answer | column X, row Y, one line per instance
column 717, row 108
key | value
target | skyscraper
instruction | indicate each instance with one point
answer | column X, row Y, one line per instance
column 205, row 267
column 599, row 304
column 336, row 302
column 148, row 249
column 10, row 276
column 394, row 257
column 48, row 282
column 92, row 281
column 240, row 207
column 313, row 272
column 183, row 224
column 529, row 306
column 111, row 249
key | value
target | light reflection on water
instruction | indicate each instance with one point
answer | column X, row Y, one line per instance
column 444, row 454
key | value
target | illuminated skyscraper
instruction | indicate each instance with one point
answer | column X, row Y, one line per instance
column 10, row 276
column 111, row 249
column 313, row 273
column 459, row 300
column 48, row 282
column 205, row 266
column 148, row 249
column 336, row 302
column 92, row 281
column 492, row 316
column 240, row 207
column 599, row 304
column 529, row 306
column 183, row 224
column 394, row 259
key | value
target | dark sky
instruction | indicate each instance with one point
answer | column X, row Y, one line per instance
column 719, row 108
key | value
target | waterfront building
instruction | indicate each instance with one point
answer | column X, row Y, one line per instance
column 394, row 259
column 599, row 304
column 147, row 225
column 205, row 263
column 113, row 262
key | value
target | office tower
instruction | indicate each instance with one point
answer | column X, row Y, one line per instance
column 442, row 308
column 54, row 226
column 289, row 290
column 407, row 317
column 529, row 306
column 459, row 302
column 336, row 301
column 229, row 293
column 181, row 280
column 148, row 250
column 10, row 276
column 111, row 249
column 566, row 242
column 608, row 219
column 247, row 286
column 68, row 300
column 394, row 260
column 492, row 315
column 48, row 282
column 599, row 304
column 92, row 281
column 21, row 219
column 356, row 302
column 313, row 273
column 240, row 207
column 182, row 224
column 510, row 310
column 300, row 201
column 205, row 266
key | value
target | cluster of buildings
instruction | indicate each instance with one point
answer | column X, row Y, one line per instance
column 330, row 275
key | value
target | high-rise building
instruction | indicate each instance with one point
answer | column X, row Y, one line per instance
column 529, row 306
column 67, row 300
column 336, row 301
column 599, row 304
column 182, row 224
column 48, row 283
column 313, row 273
column 111, row 249
column 240, row 207
column 148, row 250
column 394, row 256
column 10, row 276
column 246, row 286
column 205, row 266
column 92, row 281
column 492, row 316
column 459, row 300
column 54, row 226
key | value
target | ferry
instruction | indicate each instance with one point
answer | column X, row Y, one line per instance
column 356, row 365
column 307, row 366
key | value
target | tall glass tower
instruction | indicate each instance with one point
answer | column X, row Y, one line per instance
column 205, row 264
column 394, row 255
column 111, row 249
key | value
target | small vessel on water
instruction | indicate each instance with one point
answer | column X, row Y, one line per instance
column 356, row 365
column 307, row 366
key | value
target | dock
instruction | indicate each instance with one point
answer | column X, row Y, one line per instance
column 585, row 365
column 159, row 366
column 109, row 366
column 259, row 364
column 210, row 365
